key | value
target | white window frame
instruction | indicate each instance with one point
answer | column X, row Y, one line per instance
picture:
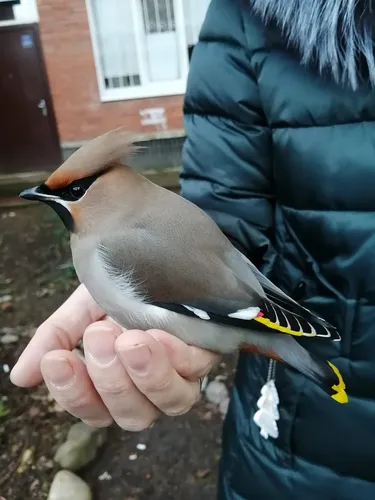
column 24, row 13
column 154, row 89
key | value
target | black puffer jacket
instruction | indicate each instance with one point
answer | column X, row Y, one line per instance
column 280, row 152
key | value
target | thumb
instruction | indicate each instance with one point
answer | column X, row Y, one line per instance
column 63, row 330
column 189, row 361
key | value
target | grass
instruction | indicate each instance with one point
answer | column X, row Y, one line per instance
column 4, row 410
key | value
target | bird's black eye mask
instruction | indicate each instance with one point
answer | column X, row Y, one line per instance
column 73, row 191
column 56, row 197
column 70, row 193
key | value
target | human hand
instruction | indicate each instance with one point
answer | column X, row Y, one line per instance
column 130, row 377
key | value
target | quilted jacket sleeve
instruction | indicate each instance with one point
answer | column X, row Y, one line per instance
column 226, row 163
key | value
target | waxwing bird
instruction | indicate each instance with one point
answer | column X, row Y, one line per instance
column 152, row 259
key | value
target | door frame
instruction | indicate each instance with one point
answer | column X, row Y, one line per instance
column 51, row 117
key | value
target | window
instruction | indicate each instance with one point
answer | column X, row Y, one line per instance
column 15, row 12
column 142, row 47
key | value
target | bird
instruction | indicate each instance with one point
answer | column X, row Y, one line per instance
column 153, row 259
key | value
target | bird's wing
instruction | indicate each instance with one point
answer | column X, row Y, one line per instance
column 284, row 313
column 163, row 277
column 209, row 282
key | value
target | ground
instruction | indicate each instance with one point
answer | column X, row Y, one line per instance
column 182, row 454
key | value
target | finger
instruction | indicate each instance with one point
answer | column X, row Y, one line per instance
column 146, row 361
column 62, row 330
column 128, row 406
column 69, row 384
column 189, row 361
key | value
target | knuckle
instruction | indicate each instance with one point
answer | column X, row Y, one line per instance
column 113, row 389
column 184, row 367
column 73, row 405
column 59, row 332
column 163, row 384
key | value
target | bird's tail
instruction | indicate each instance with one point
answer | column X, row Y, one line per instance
column 287, row 350
column 329, row 378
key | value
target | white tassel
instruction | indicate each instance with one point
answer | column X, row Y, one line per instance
column 268, row 414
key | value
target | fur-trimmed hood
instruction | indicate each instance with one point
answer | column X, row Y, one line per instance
column 336, row 35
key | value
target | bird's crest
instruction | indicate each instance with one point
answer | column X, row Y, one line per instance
column 93, row 157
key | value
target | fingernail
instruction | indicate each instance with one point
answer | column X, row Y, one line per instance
column 101, row 350
column 59, row 372
column 137, row 357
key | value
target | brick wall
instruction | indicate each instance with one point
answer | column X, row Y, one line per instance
column 69, row 59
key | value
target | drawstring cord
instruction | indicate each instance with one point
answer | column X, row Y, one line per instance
column 268, row 413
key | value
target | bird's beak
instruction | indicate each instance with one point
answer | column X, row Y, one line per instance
column 34, row 193
column 44, row 194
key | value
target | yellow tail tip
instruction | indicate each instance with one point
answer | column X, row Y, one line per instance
column 339, row 388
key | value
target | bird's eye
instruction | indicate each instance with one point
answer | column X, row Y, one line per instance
column 77, row 191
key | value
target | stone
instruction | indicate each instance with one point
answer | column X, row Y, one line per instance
column 81, row 446
column 66, row 486
column 26, row 460
column 216, row 392
column 223, row 407
column 105, row 476
column 5, row 298
column 8, row 338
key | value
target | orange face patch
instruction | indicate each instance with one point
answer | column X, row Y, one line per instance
column 76, row 213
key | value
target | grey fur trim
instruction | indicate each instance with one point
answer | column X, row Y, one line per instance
column 336, row 34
